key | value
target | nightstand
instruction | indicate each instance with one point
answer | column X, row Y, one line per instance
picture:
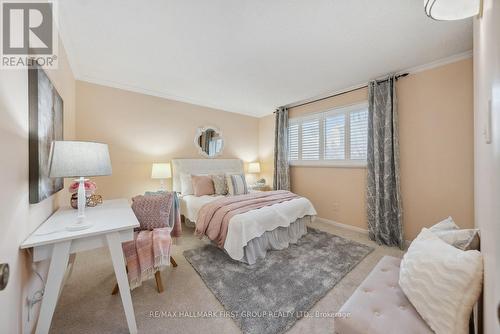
column 259, row 187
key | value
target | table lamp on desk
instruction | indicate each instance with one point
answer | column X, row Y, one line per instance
column 79, row 159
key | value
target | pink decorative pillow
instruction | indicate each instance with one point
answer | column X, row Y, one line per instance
column 203, row 185
column 152, row 211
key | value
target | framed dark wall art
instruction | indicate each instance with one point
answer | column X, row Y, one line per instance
column 45, row 125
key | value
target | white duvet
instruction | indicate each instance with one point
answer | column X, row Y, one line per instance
column 252, row 224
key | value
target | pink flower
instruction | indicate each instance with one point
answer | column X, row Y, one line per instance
column 90, row 187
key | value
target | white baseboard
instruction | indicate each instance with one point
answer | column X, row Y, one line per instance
column 351, row 228
column 345, row 226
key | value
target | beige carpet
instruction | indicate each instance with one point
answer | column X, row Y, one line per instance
column 87, row 306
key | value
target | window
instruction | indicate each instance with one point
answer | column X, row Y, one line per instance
column 336, row 137
column 358, row 133
column 310, row 140
column 293, row 142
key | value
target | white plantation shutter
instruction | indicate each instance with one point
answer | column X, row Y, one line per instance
column 335, row 137
column 310, row 140
column 293, row 142
column 358, row 134
column 334, row 141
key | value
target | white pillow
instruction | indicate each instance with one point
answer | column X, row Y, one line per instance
column 446, row 224
column 186, row 184
column 442, row 282
column 236, row 184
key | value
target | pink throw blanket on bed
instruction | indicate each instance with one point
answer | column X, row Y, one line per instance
column 213, row 218
column 146, row 254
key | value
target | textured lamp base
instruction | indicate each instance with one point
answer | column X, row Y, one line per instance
column 81, row 223
column 162, row 185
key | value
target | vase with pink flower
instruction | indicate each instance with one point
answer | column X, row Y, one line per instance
column 90, row 188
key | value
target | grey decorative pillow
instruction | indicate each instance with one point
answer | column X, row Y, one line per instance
column 237, row 184
column 449, row 232
column 466, row 239
column 220, row 184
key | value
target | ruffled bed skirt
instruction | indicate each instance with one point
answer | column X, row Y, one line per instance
column 277, row 239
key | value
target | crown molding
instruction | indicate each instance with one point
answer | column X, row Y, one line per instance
column 150, row 92
column 412, row 70
column 439, row 62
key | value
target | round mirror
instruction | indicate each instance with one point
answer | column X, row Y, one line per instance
column 209, row 141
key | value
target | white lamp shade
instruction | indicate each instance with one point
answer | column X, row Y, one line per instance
column 448, row 10
column 254, row 168
column 161, row 171
column 79, row 159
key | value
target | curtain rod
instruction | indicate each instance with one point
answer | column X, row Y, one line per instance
column 402, row 75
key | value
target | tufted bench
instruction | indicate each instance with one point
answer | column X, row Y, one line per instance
column 379, row 305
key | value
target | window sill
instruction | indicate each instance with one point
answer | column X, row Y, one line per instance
column 329, row 164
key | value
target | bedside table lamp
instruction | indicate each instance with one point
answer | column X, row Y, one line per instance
column 79, row 159
column 161, row 171
column 254, row 168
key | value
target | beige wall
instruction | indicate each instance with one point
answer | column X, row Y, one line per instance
column 142, row 129
column 436, row 139
column 437, row 146
column 487, row 156
column 17, row 217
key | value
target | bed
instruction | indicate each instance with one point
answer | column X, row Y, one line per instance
column 251, row 234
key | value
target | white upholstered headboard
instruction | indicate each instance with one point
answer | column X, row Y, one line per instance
column 203, row 166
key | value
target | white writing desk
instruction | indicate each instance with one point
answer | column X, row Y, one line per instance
column 113, row 223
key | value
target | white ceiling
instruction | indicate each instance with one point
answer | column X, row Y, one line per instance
column 250, row 56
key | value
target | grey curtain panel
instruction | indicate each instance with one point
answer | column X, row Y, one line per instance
column 281, row 167
column 385, row 213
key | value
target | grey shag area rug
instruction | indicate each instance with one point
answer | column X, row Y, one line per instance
column 271, row 295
